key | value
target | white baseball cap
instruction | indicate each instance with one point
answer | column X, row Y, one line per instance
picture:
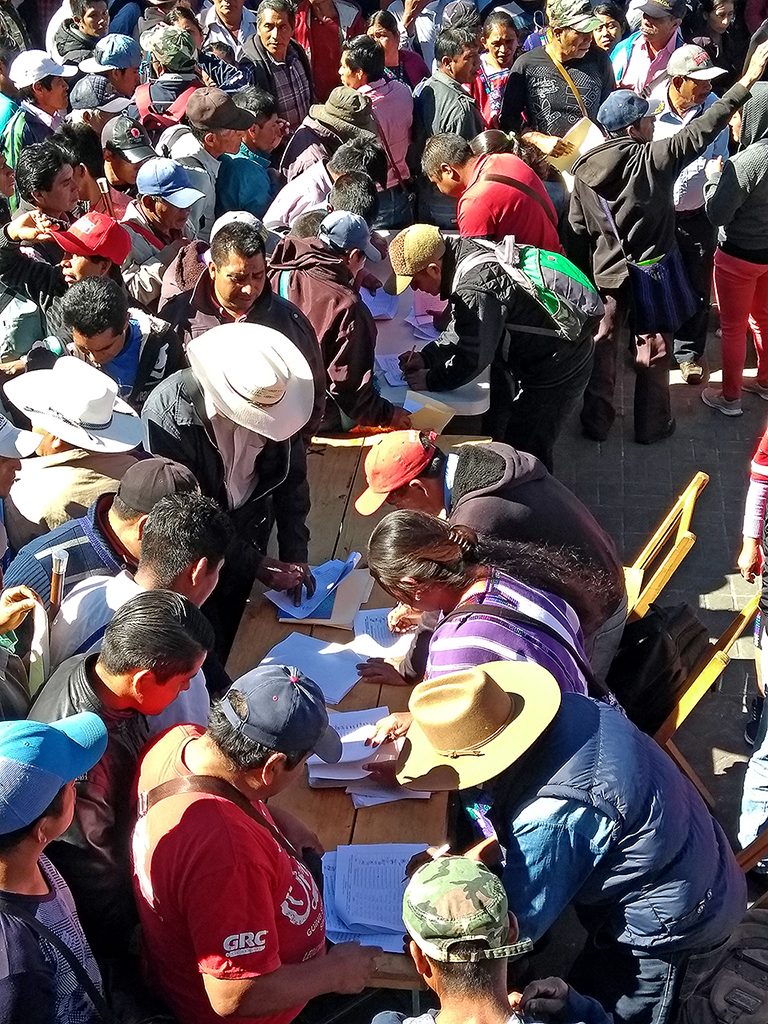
column 15, row 443
column 32, row 65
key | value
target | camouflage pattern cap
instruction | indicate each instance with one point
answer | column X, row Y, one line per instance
column 170, row 46
column 575, row 14
column 455, row 900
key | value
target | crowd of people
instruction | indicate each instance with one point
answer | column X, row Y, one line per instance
column 195, row 202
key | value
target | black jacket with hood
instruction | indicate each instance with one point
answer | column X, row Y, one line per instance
column 487, row 309
column 510, row 495
column 72, row 44
column 636, row 180
column 177, row 427
column 736, row 199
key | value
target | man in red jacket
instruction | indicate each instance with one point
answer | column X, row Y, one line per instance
column 498, row 195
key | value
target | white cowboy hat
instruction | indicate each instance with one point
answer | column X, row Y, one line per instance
column 254, row 376
column 78, row 404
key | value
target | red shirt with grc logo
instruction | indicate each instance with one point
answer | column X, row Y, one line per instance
column 216, row 893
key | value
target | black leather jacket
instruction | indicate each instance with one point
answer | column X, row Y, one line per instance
column 93, row 854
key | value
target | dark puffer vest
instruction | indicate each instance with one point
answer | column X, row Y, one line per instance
column 669, row 879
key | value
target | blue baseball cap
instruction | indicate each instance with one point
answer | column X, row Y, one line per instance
column 346, row 231
column 624, row 108
column 36, row 760
column 286, row 712
column 113, row 52
column 169, row 180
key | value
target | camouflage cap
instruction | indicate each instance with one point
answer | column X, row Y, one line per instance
column 170, row 46
column 575, row 14
column 455, row 900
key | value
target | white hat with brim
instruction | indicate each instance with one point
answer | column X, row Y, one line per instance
column 15, row 443
column 78, row 404
column 33, row 65
column 469, row 726
column 254, row 376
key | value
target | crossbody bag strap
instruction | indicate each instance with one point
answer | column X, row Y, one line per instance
column 214, row 787
column 10, row 908
column 514, row 615
column 388, row 151
column 503, row 179
column 568, row 80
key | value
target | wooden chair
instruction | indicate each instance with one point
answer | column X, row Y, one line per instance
column 653, row 569
column 704, row 675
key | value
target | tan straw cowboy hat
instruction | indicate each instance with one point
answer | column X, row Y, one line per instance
column 470, row 725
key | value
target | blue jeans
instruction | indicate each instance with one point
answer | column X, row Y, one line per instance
column 126, row 19
column 754, row 796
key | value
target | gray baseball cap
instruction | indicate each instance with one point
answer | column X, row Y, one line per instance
column 129, row 138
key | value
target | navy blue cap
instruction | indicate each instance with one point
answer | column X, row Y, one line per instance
column 286, row 712
column 36, row 760
column 624, row 108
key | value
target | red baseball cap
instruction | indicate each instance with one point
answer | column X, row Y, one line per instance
column 95, row 234
column 393, row 462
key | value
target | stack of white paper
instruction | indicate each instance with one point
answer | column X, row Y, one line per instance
column 363, row 893
column 390, row 368
column 332, row 666
column 327, row 577
column 354, row 728
column 381, row 305
column 422, row 325
column 374, row 638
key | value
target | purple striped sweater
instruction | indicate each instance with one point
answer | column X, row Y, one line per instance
column 476, row 640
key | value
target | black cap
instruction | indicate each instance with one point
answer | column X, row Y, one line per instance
column 129, row 138
column 144, row 484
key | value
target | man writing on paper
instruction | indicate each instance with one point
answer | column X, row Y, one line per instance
column 537, row 377
column 230, row 911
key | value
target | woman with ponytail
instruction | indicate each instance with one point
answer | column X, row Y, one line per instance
column 500, row 600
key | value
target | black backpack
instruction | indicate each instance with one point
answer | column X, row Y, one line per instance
column 656, row 655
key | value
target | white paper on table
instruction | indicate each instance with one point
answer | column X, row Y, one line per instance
column 349, row 774
column 422, row 325
column 354, row 728
column 367, row 793
column 370, row 882
column 423, row 303
column 374, row 638
column 332, row 666
column 327, row 577
column 390, row 367
column 381, row 305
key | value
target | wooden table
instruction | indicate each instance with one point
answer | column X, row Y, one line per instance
column 336, row 478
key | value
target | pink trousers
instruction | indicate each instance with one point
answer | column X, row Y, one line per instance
column 741, row 289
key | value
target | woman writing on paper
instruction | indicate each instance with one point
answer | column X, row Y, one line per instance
column 500, row 601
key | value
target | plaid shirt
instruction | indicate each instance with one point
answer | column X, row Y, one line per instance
column 291, row 89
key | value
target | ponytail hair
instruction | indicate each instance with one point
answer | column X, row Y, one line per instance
column 415, row 546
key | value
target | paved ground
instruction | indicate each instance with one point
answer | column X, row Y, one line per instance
column 630, row 487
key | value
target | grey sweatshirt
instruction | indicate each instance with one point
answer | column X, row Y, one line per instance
column 736, row 200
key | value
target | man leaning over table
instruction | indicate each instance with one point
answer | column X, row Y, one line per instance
column 232, row 918
column 536, row 378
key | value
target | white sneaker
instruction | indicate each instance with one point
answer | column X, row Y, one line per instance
column 752, row 386
column 714, row 399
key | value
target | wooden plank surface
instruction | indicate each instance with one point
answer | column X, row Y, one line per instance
column 336, row 478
